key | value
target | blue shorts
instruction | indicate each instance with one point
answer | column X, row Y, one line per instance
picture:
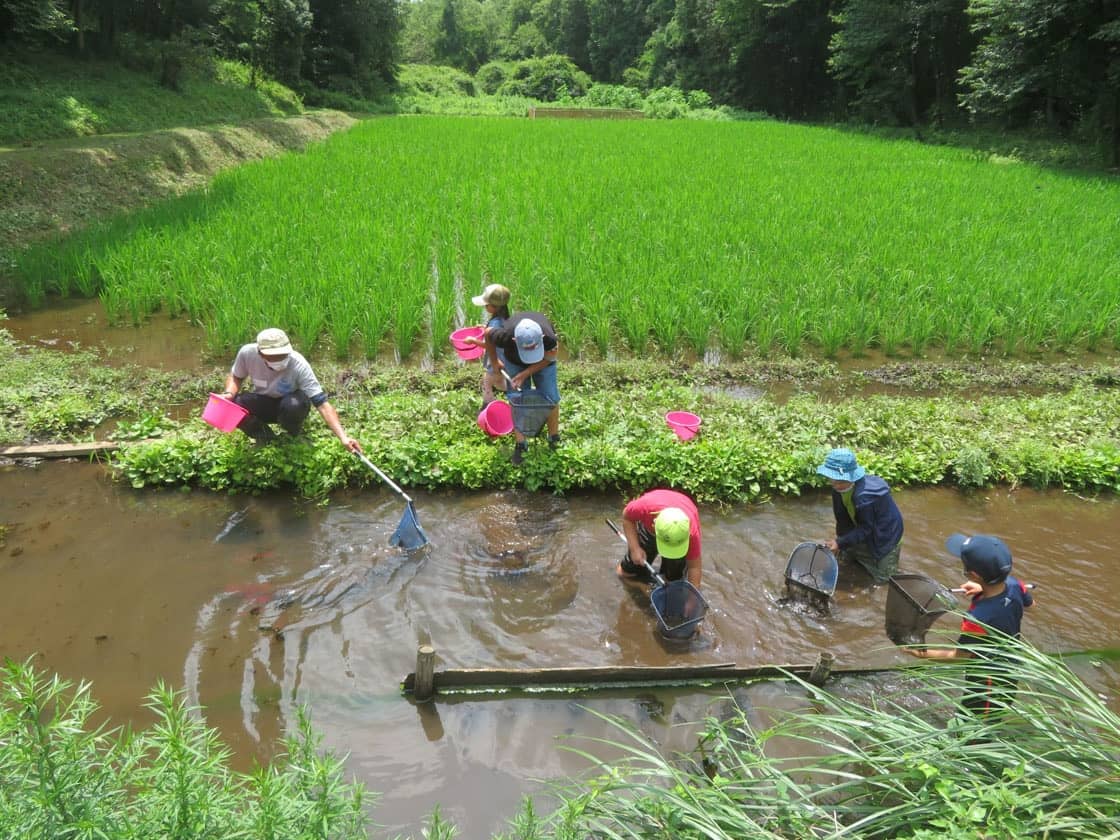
column 544, row 380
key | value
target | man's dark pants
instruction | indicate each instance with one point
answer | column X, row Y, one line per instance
column 289, row 411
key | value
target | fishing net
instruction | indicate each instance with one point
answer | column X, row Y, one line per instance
column 679, row 607
column 811, row 569
column 409, row 535
column 914, row 602
column 530, row 410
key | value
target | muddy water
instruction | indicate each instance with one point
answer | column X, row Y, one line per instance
column 255, row 604
column 76, row 324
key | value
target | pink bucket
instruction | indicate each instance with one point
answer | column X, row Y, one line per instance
column 468, row 351
column 683, row 423
column 496, row 419
column 223, row 414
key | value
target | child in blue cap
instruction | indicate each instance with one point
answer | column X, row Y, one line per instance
column 868, row 522
column 998, row 602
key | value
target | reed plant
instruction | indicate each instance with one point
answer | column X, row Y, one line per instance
column 65, row 777
column 630, row 234
column 899, row 763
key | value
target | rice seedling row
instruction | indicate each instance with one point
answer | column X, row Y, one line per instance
column 634, row 237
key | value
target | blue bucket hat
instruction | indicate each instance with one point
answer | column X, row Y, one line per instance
column 840, row 465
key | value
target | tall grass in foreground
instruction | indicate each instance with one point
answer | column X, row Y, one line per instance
column 634, row 236
column 875, row 768
column 901, row 765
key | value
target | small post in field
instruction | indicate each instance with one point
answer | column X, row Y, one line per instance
column 823, row 669
column 424, row 687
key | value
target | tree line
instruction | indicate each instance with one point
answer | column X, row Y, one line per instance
column 345, row 45
column 1049, row 64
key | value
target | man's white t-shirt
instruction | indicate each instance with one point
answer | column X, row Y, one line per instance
column 297, row 376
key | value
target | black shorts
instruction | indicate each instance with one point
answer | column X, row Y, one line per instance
column 670, row 569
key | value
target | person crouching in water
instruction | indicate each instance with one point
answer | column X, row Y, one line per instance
column 284, row 388
column 663, row 523
column 868, row 522
column 998, row 603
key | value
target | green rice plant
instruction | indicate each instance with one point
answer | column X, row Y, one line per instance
column 580, row 211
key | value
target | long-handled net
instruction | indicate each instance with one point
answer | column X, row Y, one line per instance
column 914, row 602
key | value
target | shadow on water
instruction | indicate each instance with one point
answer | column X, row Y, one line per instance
column 256, row 605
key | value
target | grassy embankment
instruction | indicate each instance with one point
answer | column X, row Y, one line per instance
column 87, row 140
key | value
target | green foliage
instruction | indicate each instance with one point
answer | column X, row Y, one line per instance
column 616, row 439
column 65, row 779
column 613, row 96
column 547, row 78
column 415, row 79
column 44, row 96
column 493, row 75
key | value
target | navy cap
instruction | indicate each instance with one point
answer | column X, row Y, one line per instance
column 986, row 555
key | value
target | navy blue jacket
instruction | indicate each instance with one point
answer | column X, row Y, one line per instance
column 878, row 522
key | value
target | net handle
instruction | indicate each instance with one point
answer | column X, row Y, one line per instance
column 656, row 576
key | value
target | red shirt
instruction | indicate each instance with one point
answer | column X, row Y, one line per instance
column 644, row 508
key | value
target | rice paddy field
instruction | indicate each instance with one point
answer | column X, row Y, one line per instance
column 635, row 237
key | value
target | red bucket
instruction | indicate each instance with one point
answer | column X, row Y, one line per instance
column 683, row 423
column 496, row 419
column 223, row 414
column 467, row 351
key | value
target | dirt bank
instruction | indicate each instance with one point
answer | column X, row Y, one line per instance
column 62, row 186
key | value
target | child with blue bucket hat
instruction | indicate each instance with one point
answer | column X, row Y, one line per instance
column 868, row 522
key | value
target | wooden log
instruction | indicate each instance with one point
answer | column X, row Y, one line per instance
column 59, row 450
column 497, row 679
column 423, row 682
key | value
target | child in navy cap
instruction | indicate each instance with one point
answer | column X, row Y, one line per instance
column 998, row 601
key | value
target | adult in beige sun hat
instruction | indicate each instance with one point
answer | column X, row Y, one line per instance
column 275, row 384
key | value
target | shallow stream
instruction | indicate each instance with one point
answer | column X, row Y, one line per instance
column 256, row 604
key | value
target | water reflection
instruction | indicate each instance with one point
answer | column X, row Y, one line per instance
column 308, row 604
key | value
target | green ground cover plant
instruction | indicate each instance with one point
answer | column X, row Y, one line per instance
column 635, row 236
column 748, row 451
column 44, row 96
column 420, row 427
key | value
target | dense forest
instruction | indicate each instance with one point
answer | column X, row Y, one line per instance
column 1051, row 65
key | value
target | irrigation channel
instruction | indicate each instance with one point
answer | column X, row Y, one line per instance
column 254, row 604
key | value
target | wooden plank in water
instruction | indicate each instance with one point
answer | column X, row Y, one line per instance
column 59, row 450
column 611, row 677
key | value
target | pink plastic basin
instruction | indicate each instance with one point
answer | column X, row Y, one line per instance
column 496, row 419
column 467, row 351
column 223, row 414
column 683, row 423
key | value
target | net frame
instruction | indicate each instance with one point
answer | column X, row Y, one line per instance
column 678, row 599
column 530, row 409
column 914, row 602
column 811, row 567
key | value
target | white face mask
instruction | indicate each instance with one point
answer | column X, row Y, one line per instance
column 280, row 365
